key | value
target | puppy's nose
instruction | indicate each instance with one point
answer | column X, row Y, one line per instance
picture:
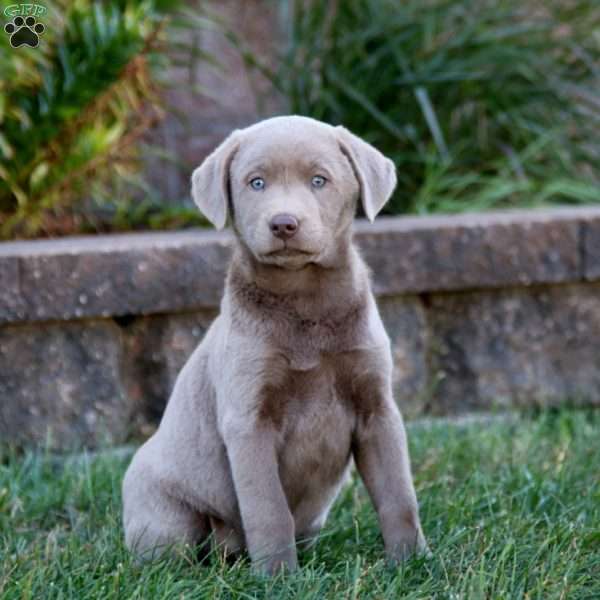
column 284, row 226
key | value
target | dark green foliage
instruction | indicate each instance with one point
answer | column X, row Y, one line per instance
column 511, row 510
column 480, row 104
column 72, row 111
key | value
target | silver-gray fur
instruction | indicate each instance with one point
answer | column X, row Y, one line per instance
column 293, row 379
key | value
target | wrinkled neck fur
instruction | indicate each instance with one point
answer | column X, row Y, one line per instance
column 313, row 292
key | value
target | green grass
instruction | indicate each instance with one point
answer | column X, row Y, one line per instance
column 511, row 510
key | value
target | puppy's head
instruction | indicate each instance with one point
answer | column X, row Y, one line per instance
column 290, row 185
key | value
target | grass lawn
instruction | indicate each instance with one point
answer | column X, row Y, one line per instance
column 511, row 510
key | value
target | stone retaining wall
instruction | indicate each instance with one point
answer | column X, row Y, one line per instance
column 497, row 309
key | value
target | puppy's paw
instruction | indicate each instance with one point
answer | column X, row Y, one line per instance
column 274, row 564
column 412, row 543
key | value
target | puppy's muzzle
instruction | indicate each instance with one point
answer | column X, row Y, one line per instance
column 284, row 226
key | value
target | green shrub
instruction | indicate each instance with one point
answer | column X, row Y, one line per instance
column 480, row 104
column 73, row 110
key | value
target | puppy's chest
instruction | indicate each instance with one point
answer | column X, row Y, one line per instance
column 315, row 427
column 310, row 345
column 308, row 388
column 314, row 400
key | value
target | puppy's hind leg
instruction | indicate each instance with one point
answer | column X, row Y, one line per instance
column 156, row 522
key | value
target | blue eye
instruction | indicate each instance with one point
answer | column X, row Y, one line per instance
column 258, row 183
column 317, row 181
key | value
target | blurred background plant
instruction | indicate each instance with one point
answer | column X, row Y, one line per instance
column 73, row 113
column 480, row 104
column 487, row 104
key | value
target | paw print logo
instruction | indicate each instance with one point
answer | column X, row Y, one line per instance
column 24, row 32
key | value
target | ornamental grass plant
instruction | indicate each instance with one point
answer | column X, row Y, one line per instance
column 480, row 104
column 74, row 110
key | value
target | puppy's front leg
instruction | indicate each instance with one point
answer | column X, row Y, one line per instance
column 266, row 517
column 381, row 456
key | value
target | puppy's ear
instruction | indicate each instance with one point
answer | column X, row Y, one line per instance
column 210, row 182
column 376, row 174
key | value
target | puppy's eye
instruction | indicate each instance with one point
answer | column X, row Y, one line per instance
column 318, row 181
column 258, row 183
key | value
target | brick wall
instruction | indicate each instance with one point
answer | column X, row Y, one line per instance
column 484, row 310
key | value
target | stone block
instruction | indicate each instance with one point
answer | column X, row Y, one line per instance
column 11, row 301
column 91, row 382
column 591, row 248
column 155, row 350
column 61, row 382
column 514, row 348
column 139, row 274
column 413, row 255
column 113, row 275
column 405, row 321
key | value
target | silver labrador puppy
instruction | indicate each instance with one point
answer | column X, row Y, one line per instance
column 293, row 378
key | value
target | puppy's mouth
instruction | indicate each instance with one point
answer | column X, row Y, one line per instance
column 289, row 257
column 289, row 252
